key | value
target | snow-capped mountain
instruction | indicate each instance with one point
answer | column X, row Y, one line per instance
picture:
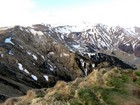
column 90, row 38
column 100, row 37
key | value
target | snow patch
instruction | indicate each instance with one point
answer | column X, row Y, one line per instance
column 131, row 30
column 62, row 36
column 43, row 57
column 91, row 32
column 51, row 53
column 28, row 53
column 127, row 44
column 65, row 29
column 34, row 56
column 51, row 67
column 46, row 77
column 26, row 71
column 36, row 32
column 34, row 77
column 2, row 55
column 86, row 71
column 76, row 46
column 64, row 54
column 90, row 54
column 93, row 65
column 11, row 53
column 8, row 40
column 82, row 62
column 20, row 46
column 20, row 66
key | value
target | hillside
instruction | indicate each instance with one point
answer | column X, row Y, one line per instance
column 106, row 86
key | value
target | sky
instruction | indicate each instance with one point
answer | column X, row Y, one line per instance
column 71, row 12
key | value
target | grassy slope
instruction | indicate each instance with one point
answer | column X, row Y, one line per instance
column 101, row 87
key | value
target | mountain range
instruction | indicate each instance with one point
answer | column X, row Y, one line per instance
column 38, row 56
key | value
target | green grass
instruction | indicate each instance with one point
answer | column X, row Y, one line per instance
column 106, row 95
column 88, row 97
column 126, row 78
column 119, row 82
column 40, row 94
column 138, row 81
column 137, row 73
column 117, row 87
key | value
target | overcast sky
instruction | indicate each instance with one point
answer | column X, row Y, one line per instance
column 109, row 12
